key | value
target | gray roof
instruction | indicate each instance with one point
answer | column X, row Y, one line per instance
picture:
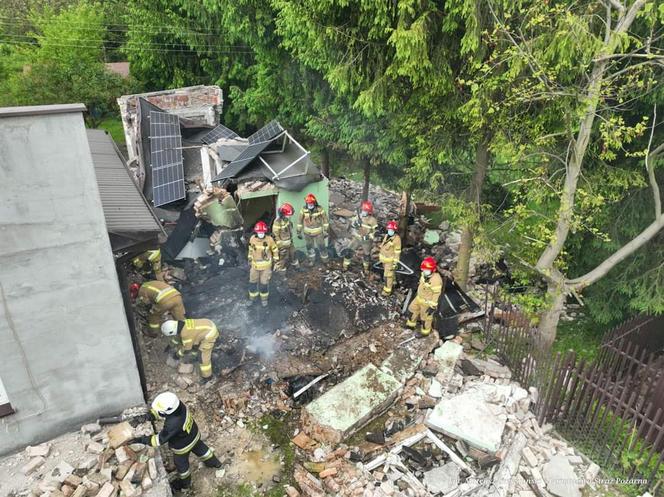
column 126, row 211
column 35, row 110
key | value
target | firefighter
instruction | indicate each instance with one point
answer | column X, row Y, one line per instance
column 263, row 252
column 315, row 226
column 282, row 230
column 363, row 227
column 390, row 253
column 153, row 257
column 201, row 333
column 162, row 298
column 425, row 303
column 180, row 432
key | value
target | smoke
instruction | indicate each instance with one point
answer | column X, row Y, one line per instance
column 265, row 346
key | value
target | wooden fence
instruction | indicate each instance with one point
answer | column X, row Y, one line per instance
column 612, row 408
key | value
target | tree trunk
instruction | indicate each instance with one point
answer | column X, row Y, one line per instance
column 549, row 318
column 474, row 196
column 367, row 178
column 325, row 162
column 403, row 216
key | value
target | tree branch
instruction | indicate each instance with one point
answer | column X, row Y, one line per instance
column 621, row 254
column 651, row 169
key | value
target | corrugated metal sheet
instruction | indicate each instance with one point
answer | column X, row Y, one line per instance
column 125, row 209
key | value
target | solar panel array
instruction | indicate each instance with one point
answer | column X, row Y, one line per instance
column 266, row 133
column 218, row 133
column 166, row 158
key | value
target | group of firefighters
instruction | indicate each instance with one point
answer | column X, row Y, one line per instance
column 266, row 253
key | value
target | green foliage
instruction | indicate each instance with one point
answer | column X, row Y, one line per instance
column 64, row 65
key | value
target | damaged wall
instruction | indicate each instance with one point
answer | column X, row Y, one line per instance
column 65, row 351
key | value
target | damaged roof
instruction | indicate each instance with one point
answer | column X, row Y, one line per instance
column 129, row 218
column 289, row 167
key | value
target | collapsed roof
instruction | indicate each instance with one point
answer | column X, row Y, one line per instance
column 269, row 154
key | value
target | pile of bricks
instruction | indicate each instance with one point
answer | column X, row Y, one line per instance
column 111, row 466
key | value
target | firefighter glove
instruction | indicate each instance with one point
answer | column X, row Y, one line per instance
column 145, row 440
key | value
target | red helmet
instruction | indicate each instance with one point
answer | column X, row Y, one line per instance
column 310, row 199
column 367, row 206
column 429, row 263
column 286, row 209
column 260, row 227
column 133, row 290
column 392, row 225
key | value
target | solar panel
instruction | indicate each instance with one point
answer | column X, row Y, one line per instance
column 218, row 133
column 166, row 158
column 266, row 133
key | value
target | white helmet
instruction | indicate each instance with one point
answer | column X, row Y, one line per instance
column 169, row 328
column 165, row 403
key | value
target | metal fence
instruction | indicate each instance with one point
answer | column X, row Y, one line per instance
column 612, row 407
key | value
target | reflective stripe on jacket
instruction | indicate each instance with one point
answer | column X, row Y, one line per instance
column 390, row 249
column 313, row 222
column 282, row 229
column 262, row 252
column 197, row 331
column 429, row 289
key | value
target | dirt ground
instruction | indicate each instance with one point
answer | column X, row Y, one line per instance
column 308, row 329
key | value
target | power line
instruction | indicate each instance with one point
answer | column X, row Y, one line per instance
column 126, row 48
column 144, row 43
column 159, row 28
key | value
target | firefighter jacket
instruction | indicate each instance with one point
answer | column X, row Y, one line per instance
column 180, row 431
column 154, row 258
column 156, row 292
column 429, row 289
column 197, row 331
column 364, row 228
column 282, row 229
column 262, row 251
column 313, row 222
column 390, row 249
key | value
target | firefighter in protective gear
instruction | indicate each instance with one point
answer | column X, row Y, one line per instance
column 263, row 252
column 181, row 433
column 315, row 226
column 148, row 262
column 162, row 298
column 190, row 333
column 425, row 303
column 390, row 253
column 282, row 230
column 364, row 231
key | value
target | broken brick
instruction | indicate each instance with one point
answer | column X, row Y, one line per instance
column 120, row 434
column 123, row 469
column 32, row 465
column 152, row 469
column 304, row 442
column 124, row 454
column 73, row 480
column 38, row 451
column 108, row 490
column 95, row 448
column 67, row 490
column 327, row 472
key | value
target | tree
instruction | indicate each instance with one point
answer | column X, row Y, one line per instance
column 585, row 72
column 64, row 63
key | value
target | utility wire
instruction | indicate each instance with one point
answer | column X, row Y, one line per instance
column 130, row 48
column 16, row 37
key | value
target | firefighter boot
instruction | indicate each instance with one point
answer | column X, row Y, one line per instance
column 424, row 331
column 265, row 294
column 412, row 322
column 181, row 483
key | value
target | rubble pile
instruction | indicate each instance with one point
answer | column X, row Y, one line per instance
column 97, row 462
column 429, row 444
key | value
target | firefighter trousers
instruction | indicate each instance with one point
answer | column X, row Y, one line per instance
column 172, row 305
column 259, row 284
column 351, row 250
column 314, row 242
column 421, row 311
column 286, row 255
column 181, row 461
column 389, row 269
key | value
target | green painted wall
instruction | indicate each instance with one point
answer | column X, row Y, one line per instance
column 322, row 192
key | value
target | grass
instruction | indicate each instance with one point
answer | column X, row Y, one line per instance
column 113, row 125
column 277, row 428
column 583, row 335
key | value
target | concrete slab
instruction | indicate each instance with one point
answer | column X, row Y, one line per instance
column 560, row 478
column 403, row 362
column 442, row 479
column 483, row 430
column 349, row 405
column 447, row 356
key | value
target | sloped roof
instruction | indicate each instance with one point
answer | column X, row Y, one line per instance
column 126, row 210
